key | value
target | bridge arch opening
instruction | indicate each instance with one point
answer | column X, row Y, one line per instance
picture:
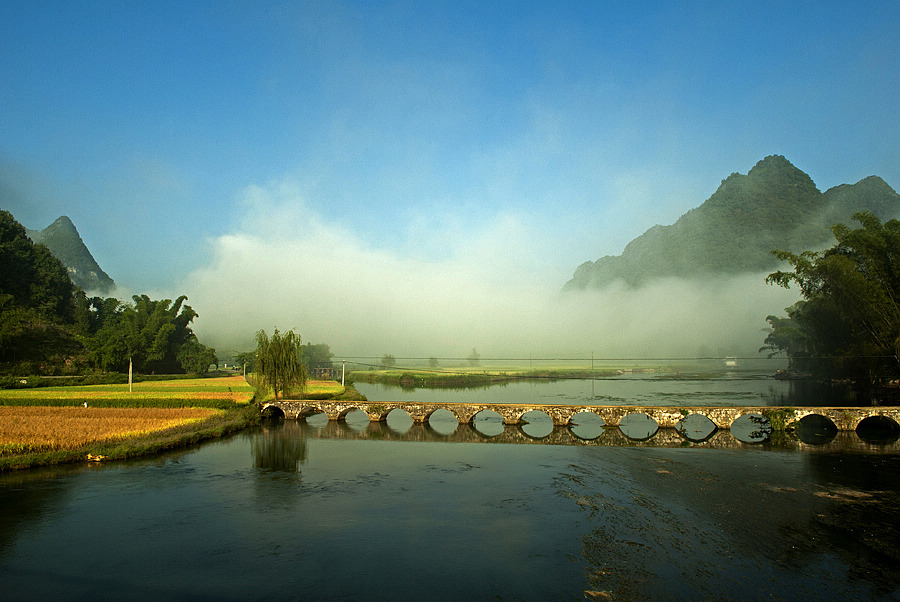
column 696, row 427
column 751, row 428
column 536, row 424
column 442, row 421
column 586, row 425
column 815, row 429
column 273, row 413
column 315, row 417
column 638, row 426
column 878, row 430
column 488, row 423
column 355, row 418
column 398, row 420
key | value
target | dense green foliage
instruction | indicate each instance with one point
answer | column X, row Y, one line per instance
column 775, row 206
column 246, row 360
column 278, row 362
column 154, row 335
column 35, row 301
column 31, row 277
column 48, row 326
column 848, row 323
column 316, row 356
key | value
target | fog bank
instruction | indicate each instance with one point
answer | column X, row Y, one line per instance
column 493, row 287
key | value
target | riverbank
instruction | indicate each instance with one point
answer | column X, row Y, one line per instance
column 469, row 378
column 233, row 399
column 226, row 422
column 151, row 417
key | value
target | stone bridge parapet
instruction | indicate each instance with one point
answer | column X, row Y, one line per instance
column 845, row 419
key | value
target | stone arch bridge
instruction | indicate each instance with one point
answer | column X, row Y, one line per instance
column 845, row 419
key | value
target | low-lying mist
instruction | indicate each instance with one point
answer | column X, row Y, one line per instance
column 494, row 289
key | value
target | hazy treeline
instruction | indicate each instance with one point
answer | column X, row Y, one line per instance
column 312, row 355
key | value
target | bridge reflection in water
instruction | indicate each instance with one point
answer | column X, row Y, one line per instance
column 717, row 427
column 839, row 442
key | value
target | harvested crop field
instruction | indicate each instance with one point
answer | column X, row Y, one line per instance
column 35, row 428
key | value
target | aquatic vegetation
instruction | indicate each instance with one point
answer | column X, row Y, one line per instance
column 781, row 419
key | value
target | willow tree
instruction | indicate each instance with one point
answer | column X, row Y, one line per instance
column 278, row 365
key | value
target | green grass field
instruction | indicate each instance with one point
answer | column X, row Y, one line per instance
column 315, row 389
column 220, row 392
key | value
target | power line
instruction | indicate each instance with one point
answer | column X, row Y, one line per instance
column 602, row 359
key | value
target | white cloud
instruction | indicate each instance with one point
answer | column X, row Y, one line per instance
column 286, row 267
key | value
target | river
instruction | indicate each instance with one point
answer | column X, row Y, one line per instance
column 328, row 511
column 734, row 388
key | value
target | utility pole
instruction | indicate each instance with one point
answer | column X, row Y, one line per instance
column 130, row 390
column 343, row 366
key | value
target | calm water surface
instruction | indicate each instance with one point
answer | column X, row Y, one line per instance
column 736, row 388
column 360, row 512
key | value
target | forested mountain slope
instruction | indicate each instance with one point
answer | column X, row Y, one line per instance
column 63, row 240
column 774, row 206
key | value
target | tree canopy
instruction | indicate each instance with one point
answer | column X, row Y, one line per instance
column 848, row 323
column 36, row 302
column 278, row 362
column 32, row 278
column 317, row 356
column 154, row 335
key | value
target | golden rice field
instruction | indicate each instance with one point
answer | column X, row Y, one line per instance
column 49, row 419
column 31, row 429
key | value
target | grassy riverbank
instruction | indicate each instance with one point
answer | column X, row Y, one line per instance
column 317, row 389
column 481, row 377
column 52, row 425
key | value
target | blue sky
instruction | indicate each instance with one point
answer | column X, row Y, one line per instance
column 501, row 142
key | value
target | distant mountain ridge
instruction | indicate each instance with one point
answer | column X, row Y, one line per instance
column 774, row 206
column 63, row 240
